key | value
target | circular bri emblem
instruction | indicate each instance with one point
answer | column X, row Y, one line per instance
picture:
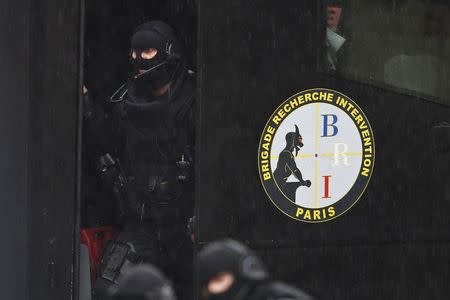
column 316, row 155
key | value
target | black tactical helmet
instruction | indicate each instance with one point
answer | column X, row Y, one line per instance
column 235, row 258
column 143, row 282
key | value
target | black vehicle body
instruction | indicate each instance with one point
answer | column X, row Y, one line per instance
column 392, row 244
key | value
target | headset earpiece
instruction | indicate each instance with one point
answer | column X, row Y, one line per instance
column 171, row 54
column 170, row 50
column 253, row 269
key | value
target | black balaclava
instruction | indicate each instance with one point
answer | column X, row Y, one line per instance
column 143, row 282
column 230, row 256
column 141, row 107
column 162, row 67
column 292, row 141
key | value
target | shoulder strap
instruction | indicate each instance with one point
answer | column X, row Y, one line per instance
column 186, row 103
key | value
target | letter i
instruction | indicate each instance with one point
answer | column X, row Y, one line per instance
column 326, row 187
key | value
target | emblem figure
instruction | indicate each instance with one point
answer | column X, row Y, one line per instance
column 286, row 166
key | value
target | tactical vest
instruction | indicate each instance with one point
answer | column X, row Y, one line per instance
column 156, row 154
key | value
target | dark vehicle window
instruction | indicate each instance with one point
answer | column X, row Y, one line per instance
column 397, row 44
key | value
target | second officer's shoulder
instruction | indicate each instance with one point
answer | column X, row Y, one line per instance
column 280, row 291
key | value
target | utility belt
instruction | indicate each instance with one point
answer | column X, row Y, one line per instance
column 159, row 200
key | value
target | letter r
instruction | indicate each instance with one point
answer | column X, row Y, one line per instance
column 340, row 150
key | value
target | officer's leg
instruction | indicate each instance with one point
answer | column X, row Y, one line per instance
column 117, row 259
column 178, row 249
column 136, row 244
column 142, row 239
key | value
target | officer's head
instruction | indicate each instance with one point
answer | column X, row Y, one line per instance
column 155, row 53
column 143, row 282
column 334, row 12
column 228, row 270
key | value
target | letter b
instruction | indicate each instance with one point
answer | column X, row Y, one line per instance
column 327, row 124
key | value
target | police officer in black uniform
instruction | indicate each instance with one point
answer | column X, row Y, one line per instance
column 143, row 282
column 154, row 122
column 228, row 270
